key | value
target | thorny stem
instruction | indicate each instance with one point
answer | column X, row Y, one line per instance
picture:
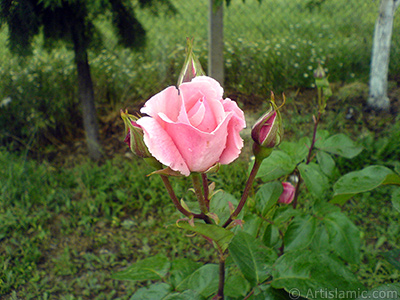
column 246, row 191
column 199, row 194
column 316, row 122
column 205, row 189
column 178, row 205
column 220, row 294
column 172, row 195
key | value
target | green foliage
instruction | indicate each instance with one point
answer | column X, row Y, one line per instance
column 361, row 181
column 220, row 236
column 300, row 232
column 304, row 273
column 267, row 196
column 152, row 268
column 252, row 258
column 314, row 178
column 339, row 144
column 43, row 102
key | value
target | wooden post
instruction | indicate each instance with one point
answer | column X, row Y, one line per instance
column 378, row 84
column 216, row 42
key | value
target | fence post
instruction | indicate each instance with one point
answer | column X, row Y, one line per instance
column 378, row 82
column 216, row 41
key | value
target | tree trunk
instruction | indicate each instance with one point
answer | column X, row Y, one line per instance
column 216, row 42
column 86, row 96
column 378, row 98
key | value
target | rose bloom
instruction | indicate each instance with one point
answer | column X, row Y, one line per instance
column 191, row 128
column 287, row 195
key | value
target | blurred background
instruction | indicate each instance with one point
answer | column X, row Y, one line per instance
column 267, row 45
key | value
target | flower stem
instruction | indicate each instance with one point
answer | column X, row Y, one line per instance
column 246, row 191
column 316, row 122
column 172, row 195
column 205, row 189
column 178, row 205
column 199, row 194
column 221, row 283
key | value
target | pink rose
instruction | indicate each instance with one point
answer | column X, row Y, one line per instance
column 287, row 195
column 191, row 128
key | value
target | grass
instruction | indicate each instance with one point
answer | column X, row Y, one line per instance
column 66, row 230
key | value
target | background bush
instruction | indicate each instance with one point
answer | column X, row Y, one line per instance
column 269, row 45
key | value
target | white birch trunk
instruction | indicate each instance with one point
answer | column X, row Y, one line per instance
column 216, row 43
column 378, row 98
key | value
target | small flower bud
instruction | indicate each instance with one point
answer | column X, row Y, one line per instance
column 134, row 136
column 267, row 131
column 319, row 73
column 191, row 67
column 287, row 195
column 324, row 90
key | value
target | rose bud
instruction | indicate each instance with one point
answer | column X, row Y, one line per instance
column 267, row 131
column 287, row 195
column 319, row 73
column 191, row 67
column 134, row 136
column 324, row 90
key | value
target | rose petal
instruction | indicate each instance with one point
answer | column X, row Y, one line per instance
column 230, row 105
column 212, row 83
column 161, row 146
column 234, row 142
column 196, row 113
column 193, row 91
column 200, row 150
column 167, row 102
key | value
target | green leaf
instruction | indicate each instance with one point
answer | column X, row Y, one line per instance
column 316, row 182
column 300, row 232
column 390, row 291
column 344, row 236
column 285, row 213
column 151, row 268
column 266, row 292
column 361, row 181
column 271, row 236
column 323, row 208
column 219, row 204
column 320, row 243
column 340, row 144
column 267, row 196
column 182, row 268
column 221, row 236
column 235, row 286
column 204, row 280
column 298, row 151
column 303, row 272
column 396, row 199
column 251, row 225
column 278, row 164
column 154, row 291
column 326, row 163
column 321, row 137
column 393, row 256
column 186, row 295
column 253, row 259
